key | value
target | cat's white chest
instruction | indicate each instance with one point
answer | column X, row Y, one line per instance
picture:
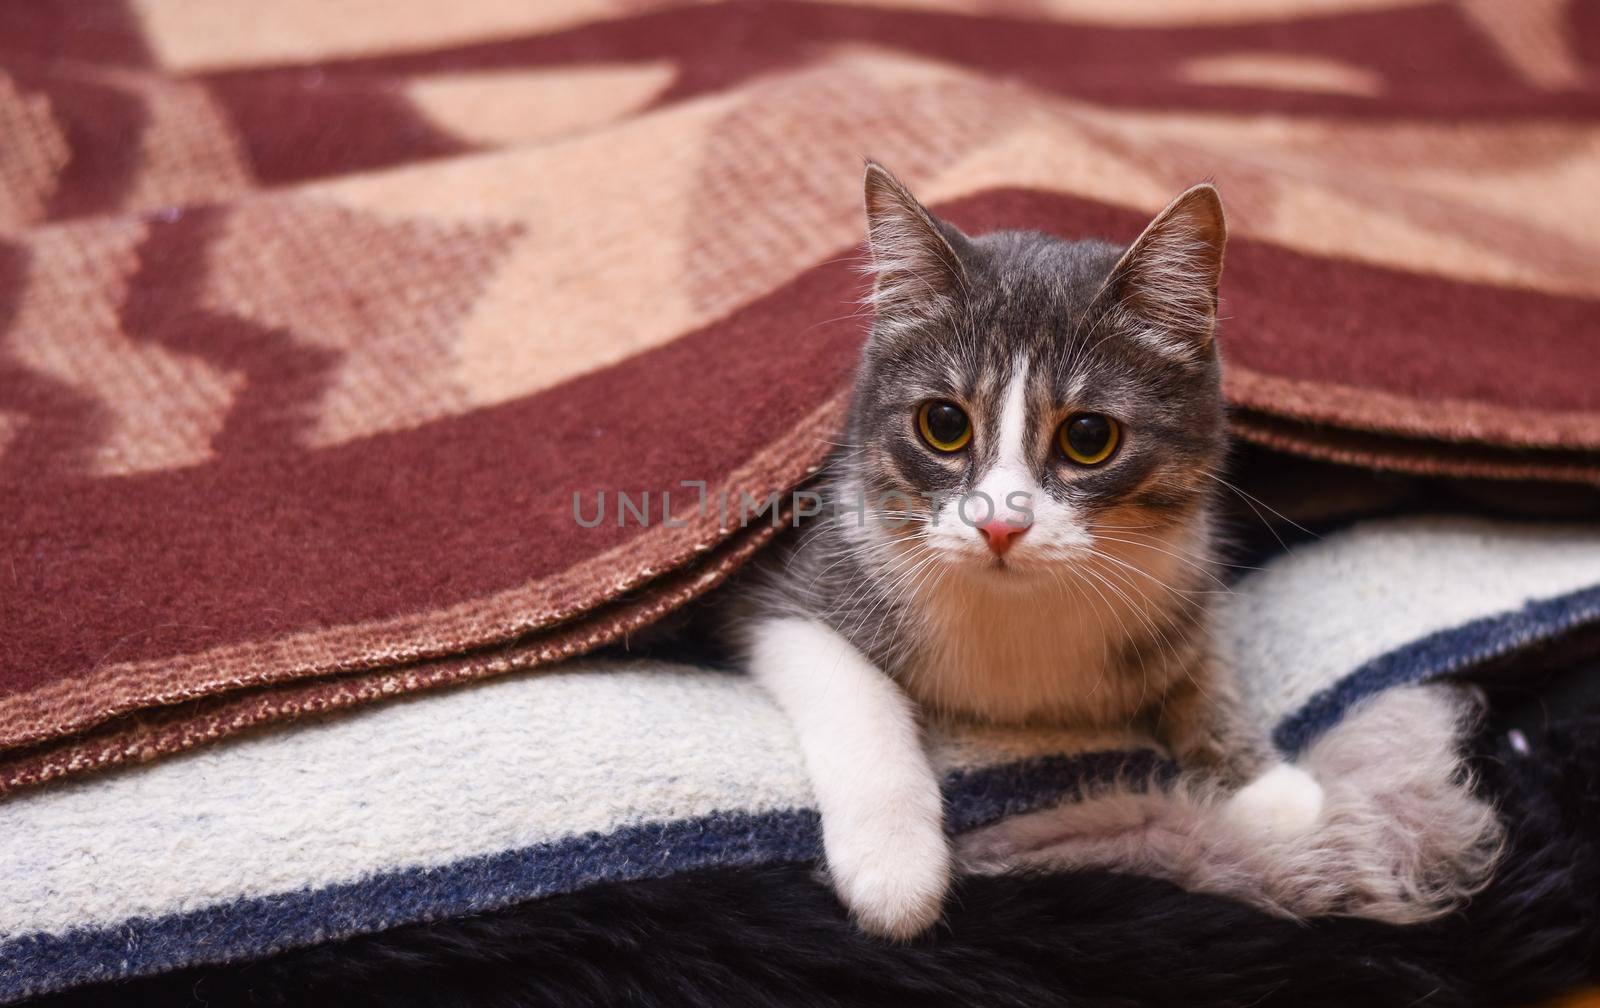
column 1055, row 654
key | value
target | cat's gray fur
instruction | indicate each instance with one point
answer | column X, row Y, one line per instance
column 1097, row 617
column 1402, row 837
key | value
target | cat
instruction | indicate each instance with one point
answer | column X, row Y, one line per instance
column 1017, row 527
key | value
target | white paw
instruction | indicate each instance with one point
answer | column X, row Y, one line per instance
column 1283, row 801
column 894, row 879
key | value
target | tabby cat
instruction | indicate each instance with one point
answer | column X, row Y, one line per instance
column 1016, row 527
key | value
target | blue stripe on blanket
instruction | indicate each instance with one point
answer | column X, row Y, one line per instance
column 251, row 928
column 1439, row 654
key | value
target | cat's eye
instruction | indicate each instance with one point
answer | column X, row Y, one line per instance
column 944, row 425
column 1088, row 438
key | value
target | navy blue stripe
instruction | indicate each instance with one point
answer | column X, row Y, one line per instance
column 978, row 797
column 1439, row 654
column 252, row 928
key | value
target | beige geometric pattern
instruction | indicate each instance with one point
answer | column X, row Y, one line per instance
column 192, row 35
column 1153, row 13
column 154, row 408
column 33, row 152
column 495, row 108
column 1532, row 37
column 776, row 185
column 188, row 152
column 692, row 210
column 385, row 296
column 1287, row 73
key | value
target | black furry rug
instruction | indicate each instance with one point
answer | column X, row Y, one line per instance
column 776, row 936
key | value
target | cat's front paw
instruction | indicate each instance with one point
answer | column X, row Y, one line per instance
column 1284, row 801
column 893, row 881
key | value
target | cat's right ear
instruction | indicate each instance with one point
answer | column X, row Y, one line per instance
column 915, row 262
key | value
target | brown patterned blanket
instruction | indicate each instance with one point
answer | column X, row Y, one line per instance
column 314, row 318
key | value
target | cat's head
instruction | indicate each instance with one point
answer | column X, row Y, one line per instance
column 1074, row 386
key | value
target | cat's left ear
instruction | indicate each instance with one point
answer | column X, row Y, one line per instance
column 1168, row 277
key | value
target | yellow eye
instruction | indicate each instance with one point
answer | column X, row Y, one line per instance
column 1088, row 438
column 944, row 425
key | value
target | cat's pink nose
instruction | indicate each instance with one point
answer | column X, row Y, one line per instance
column 1001, row 535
